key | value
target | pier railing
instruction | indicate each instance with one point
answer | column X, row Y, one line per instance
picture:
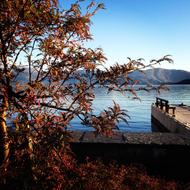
column 164, row 105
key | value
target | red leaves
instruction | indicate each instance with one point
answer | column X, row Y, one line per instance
column 53, row 86
column 107, row 120
column 60, row 72
column 96, row 175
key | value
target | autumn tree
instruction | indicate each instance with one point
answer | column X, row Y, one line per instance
column 47, row 78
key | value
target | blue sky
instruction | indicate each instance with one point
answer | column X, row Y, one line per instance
column 144, row 29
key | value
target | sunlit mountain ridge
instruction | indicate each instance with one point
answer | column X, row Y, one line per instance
column 162, row 76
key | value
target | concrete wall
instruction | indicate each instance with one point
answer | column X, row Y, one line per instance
column 164, row 154
column 166, row 161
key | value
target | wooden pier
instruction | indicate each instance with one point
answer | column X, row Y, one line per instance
column 174, row 118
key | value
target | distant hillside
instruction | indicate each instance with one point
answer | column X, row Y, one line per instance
column 186, row 81
column 152, row 76
column 161, row 76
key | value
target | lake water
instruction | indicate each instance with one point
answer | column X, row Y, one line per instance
column 139, row 111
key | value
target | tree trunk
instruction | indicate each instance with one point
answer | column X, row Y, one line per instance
column 4, row 140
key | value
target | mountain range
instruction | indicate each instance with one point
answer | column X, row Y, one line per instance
column 162, row 76
column 149, row 76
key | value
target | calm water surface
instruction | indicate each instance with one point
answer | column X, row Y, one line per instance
column 139, row 111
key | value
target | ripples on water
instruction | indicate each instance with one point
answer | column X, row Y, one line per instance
column 139, row 111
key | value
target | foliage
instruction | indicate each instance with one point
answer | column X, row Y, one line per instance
column 97, row 175
column 93, row 175
column 47, row 78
